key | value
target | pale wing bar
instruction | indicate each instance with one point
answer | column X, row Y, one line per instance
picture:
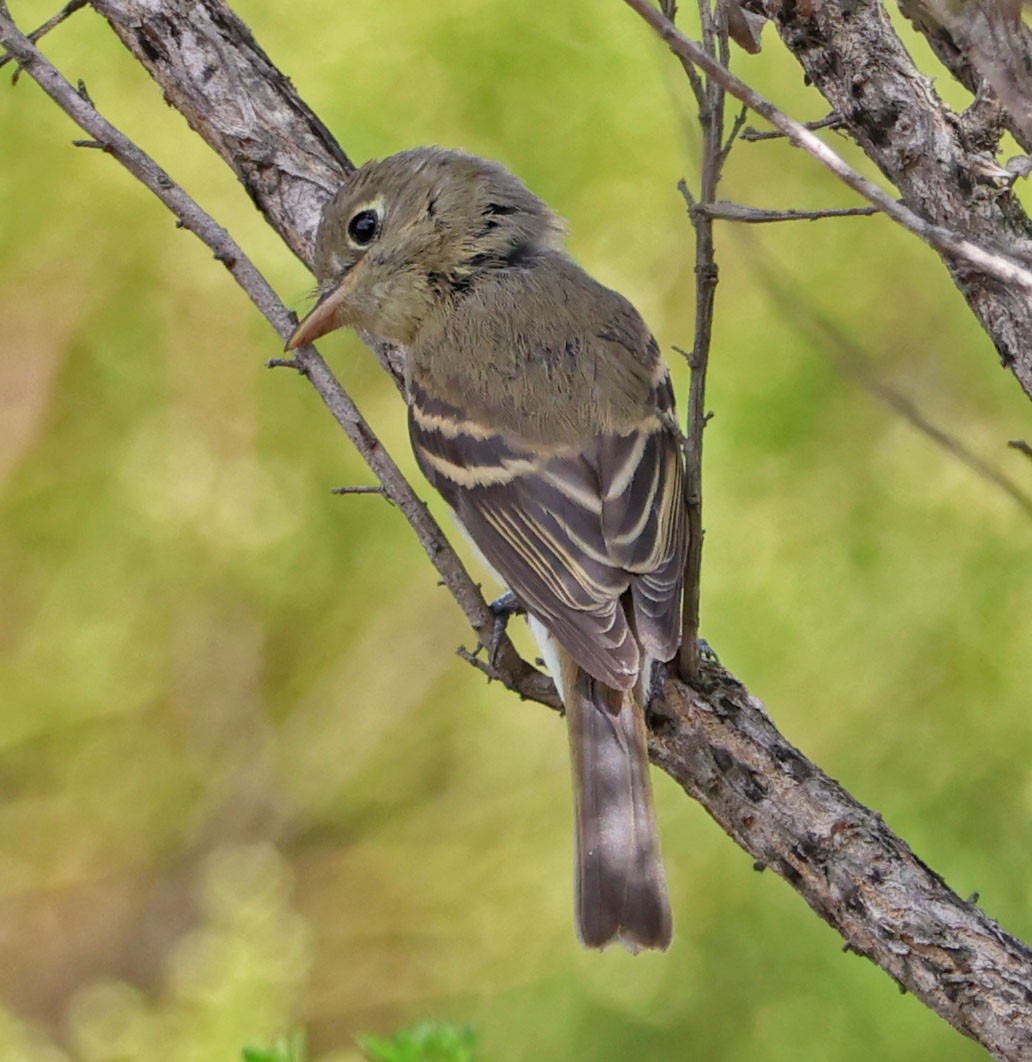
column 570, row 532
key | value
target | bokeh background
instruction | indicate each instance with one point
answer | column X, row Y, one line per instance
column 245, row 783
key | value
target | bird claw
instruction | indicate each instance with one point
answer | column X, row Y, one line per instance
column 657, row 680
column 504, row 608
column 707, row 652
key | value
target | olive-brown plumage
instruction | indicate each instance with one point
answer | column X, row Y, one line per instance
column 540, row 408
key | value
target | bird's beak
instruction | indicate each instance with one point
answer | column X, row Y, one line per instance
column 325, row 317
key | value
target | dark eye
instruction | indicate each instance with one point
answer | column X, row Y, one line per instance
column 363, row 227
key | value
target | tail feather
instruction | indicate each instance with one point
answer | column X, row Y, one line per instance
column 621, row 885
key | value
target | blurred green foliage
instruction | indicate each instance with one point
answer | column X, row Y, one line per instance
column 245, row 785
column 429, row 1041
column 290, row 1049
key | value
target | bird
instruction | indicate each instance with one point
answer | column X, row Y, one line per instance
column 540, row 407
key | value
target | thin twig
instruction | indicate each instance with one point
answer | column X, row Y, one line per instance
column 725, row 211
column 1021, row 446
column 714, row 154
column 852, row 359
column 485, row 667
column 361, row 489
column 994, row 263
column 669, row 9
column 736, row 132
column 55, row 20
column 832, row 121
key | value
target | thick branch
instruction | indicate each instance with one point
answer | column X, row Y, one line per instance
column 842, row 858
column 212, row 70
column 715, row 740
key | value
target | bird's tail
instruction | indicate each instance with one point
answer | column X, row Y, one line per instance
column 621, row 885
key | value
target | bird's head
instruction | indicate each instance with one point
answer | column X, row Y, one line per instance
column 414, row 229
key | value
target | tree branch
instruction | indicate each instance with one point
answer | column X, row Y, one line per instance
column 831, row 121
column 842, row 858
column 714, row 153
column 922, row 148
column 51, row 23
column 715, row 740
column 724, row 211
column 983, row 43
column 853, row 56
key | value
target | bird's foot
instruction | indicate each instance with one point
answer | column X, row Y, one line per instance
column 504, row 608
column 657, row 680
column 707, row 652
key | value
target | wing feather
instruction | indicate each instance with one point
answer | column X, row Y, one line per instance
column 590, row 538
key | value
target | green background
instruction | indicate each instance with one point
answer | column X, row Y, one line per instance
column 245, row 784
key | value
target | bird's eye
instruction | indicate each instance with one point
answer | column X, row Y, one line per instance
column 364, row 227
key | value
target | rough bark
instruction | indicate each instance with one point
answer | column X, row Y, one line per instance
column 843, row 859
column 984, row 44
column 212, row 70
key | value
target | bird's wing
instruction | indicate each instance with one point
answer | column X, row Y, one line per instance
column 571, row 529
column 644, row 521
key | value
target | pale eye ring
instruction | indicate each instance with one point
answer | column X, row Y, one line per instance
column 364, row 227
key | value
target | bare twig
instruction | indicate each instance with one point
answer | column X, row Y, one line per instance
column 853, row 360
column 831, row 121
column 67, row 11
column 1021, row 446
column 724, row 211
column 361, row 489
column 485, row 666
column 714, row 154
column 736, row 132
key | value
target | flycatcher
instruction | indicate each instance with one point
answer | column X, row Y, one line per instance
column 541, row 409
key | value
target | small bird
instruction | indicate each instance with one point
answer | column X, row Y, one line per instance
column 541, row 409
